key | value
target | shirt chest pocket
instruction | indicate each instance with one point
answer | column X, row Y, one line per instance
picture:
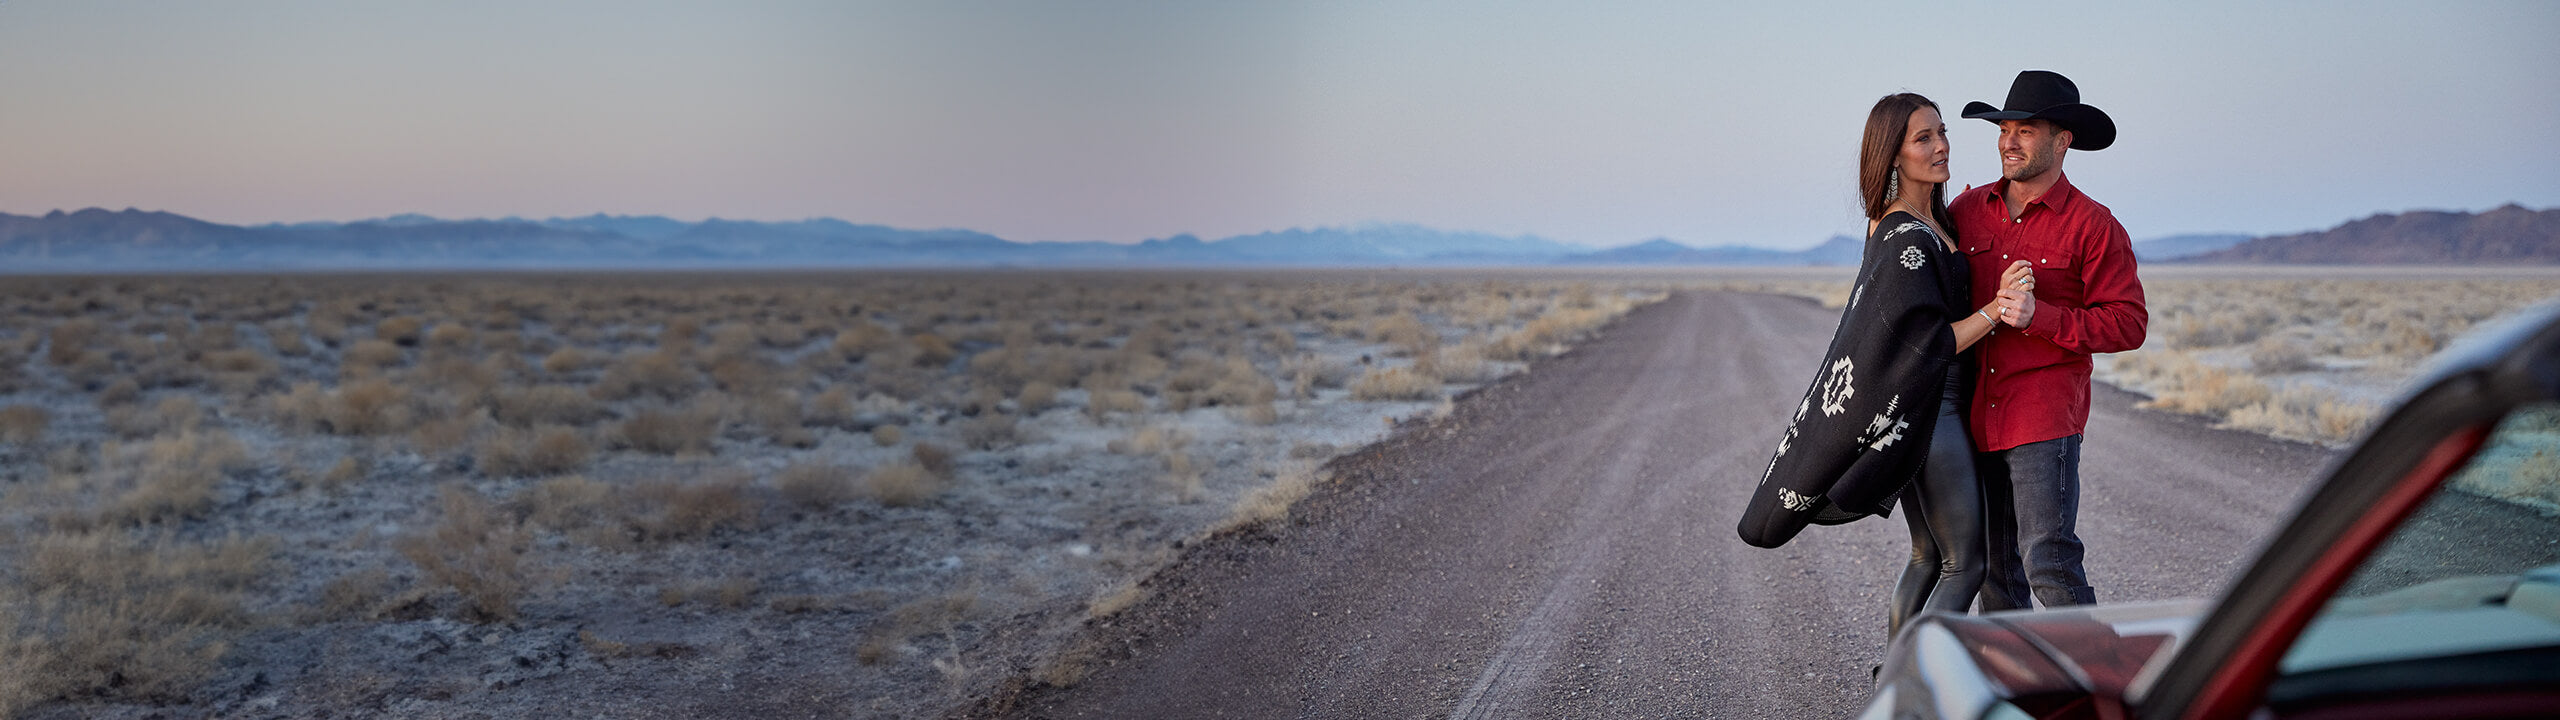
column 2057, row 273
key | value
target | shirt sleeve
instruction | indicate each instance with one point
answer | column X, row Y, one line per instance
column 2112, row 316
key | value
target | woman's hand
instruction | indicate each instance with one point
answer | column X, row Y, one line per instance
column 2017, row 296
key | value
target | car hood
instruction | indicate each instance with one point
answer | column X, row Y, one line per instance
column 2039, row 660
column 2100, row 650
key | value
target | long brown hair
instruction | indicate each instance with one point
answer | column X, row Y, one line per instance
column 1887, row 124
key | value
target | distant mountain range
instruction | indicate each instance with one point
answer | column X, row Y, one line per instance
column 98, row 240
column 2507, row 235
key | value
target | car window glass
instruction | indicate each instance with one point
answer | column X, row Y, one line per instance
column 2475, row 570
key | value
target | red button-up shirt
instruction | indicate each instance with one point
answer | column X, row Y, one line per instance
column 2034, row 381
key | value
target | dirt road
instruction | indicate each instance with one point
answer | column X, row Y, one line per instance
column 1563, row 546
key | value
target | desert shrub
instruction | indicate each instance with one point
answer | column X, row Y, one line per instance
column 23, row 424
column 239, row 362
column 353, row 595
column 329, row 327
column 109, row 615
column 1272, row 502
column 367, row 356
column 1102, row 402
column 444, row 435
column 1308, row 373
column 674, row 510
column 565, row 503
column 662, row 374
column 777, row 414
column 1036, row 396
column 934, row 458
column 169, row 478
column 745, row 374
column 816, row 484
column 680, row 330
column 2212, row 392
column 544, row 404
column 1149, row 440
column 886, row 435
column 902, row 485
column 566, row 360
column 1405, row 333
column 68, row 343
column 2302, row 413
column 286, row 338
column 932, row 350
column 371, row 406
column 401, row 330
column 668, row 431
column 121, row 392
column 2277, row 355
column 348, row 469
column 834, row 407
column 1396, row 383
column 1465, row 363
column 453, row 375
column 989, row 431
column 450, row 336
column 173, row 413
column 477, row 551
column 1263, row 413
column 1238, row 383
column 1184, row 474
column 543, row 450
column 861, row 339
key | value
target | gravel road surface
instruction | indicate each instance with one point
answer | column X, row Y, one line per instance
column 1562, row 546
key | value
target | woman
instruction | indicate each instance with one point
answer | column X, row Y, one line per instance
column 1882, row 419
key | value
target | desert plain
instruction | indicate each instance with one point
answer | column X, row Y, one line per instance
column 816, row 493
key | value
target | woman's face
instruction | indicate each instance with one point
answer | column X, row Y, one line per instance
column 1924, row 147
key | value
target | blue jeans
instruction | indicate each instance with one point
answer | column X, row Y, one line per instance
column 2031, row 494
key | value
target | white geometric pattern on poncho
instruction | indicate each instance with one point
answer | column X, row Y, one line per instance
column 1837, row 388
column 1887, row 426
column 1912, row 259
column 1794, row 501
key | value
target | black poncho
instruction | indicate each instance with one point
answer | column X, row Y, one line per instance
column 1862, row 431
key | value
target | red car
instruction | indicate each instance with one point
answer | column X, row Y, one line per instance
column 2420, row 580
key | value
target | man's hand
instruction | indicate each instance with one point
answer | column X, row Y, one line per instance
column 2017, row 307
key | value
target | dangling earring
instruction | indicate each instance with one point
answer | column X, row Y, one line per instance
column 1892, row 184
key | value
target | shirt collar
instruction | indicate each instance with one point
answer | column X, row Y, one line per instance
column 2057, row 198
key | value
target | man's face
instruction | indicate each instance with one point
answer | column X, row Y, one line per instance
column 2030, row 148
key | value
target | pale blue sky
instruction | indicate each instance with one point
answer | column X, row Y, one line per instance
column 1119, row 121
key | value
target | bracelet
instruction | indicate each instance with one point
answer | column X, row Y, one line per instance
column 1986, row 317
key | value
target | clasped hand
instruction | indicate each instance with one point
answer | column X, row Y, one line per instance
column 2017, row 297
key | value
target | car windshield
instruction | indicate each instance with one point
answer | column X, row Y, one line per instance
column 2472, row 576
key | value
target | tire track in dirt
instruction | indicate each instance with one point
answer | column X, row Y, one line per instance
column 1562, row 546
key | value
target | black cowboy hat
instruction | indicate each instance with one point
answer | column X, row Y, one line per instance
column 2047, row 95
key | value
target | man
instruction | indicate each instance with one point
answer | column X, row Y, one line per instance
column 2031, row 396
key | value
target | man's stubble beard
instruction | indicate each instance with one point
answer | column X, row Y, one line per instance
column 2037, row 165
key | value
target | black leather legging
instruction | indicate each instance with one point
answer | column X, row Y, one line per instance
column 1944, row 510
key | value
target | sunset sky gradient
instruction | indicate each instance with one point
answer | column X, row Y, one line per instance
column 1706, row 123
